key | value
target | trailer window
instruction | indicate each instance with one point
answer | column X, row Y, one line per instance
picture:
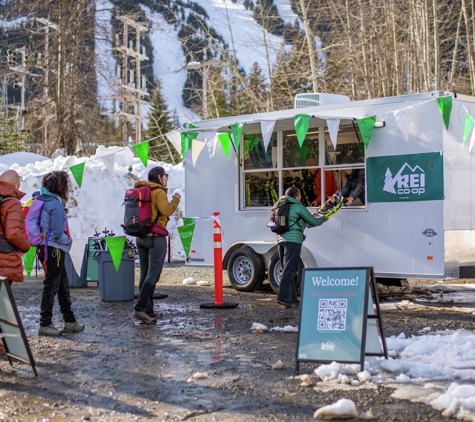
column 294, row 155
column 347, row 163
column 255, row 157
column 262, row 188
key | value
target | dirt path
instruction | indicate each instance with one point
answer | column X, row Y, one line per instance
column 119, row 371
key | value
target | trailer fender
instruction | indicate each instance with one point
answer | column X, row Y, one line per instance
column 267, row 250
column 261, row 248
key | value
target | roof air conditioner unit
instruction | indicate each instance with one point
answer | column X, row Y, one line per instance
column 318, row 99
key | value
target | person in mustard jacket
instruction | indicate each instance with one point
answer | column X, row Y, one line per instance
column 13, row 243
column 152, row 247
column 290, row 245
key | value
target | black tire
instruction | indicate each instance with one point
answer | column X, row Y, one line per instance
column 246, row 269
column 274, row 272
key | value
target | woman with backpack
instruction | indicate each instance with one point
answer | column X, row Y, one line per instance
column 290, row 245
column 152, row 247
column 52, row 251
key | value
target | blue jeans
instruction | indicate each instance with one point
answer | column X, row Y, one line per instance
column 152, row 251
column 289, row 254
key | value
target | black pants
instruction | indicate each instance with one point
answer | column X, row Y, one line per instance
column 152, row 251
column 289, row 254
column 56, row 282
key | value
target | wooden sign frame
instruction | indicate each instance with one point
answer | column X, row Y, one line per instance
column 12, row 333
column 340, row 316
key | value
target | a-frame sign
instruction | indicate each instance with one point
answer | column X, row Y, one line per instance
column 340, row 317
column 12, row 334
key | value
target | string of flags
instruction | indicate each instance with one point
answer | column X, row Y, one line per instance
column 196, row 141
column 187, row 230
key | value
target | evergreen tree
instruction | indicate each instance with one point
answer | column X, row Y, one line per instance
column 12, row 138
column 160, row 124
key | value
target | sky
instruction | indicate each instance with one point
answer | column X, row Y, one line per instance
column 437, row 367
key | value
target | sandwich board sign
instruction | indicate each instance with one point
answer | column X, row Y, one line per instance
column 12, row 334
column 340, row 318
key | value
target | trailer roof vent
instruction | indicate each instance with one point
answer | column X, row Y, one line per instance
column 319, row 99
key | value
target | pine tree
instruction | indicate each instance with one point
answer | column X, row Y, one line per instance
column 160, row 124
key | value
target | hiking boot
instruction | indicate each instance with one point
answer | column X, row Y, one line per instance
column 332, row 206
column 50, row 331
column 286, row 304
column 143, row 317
column 155, row 314
column 73, row 327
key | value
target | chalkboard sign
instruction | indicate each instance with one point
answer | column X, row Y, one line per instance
column 339, row 316
column 12, row 334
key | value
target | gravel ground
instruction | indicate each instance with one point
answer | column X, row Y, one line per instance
column 119, row 371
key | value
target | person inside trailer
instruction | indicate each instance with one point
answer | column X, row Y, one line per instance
column 330, row 184
column 355, row 182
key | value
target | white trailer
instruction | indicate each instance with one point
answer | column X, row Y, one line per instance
column 416, row 220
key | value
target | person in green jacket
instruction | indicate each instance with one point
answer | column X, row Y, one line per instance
column 290, row 245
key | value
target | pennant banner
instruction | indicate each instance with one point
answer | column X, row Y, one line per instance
column 236, row 129
column 225, row 141
column 187, row 221
column 403, row 119
column 78, row 173
column 468, row 127
column 301, row 124
column 116, row 244
column 186, row 236
column 109, row 161
column 445, row 107
column 142, row 152
column 333, row 126
column 175, row 139
column 29, row 259
column 196, row 150
column 366, row 127
column 267, row 128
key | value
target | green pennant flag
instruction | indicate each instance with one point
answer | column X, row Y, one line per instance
column 116, row 244
column 142, row 152
column 187, row 142
column 236, row 129
column 187, row 221
column 78, row 173
column 445, row 107
column 366, row 127
column 186, row 236
column 29, row 259
column 301, row 124
column 225, row 141
column 468, row 127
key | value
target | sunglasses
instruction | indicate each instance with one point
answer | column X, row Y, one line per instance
column 166, row 175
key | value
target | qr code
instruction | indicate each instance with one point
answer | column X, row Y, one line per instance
column 332, row 314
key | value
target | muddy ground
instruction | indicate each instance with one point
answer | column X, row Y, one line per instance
column 119, row 371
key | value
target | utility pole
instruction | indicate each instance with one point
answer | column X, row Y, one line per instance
column 131, row 86
column 47, row 25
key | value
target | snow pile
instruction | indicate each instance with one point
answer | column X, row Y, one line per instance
column 441, row 356
column 97, row 205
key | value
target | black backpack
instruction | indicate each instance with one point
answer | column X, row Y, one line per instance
column 279, row 217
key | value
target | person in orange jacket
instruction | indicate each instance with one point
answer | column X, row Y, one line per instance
column 13, row 243
column 330, row 184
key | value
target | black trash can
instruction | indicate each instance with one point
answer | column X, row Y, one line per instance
column 116, row 286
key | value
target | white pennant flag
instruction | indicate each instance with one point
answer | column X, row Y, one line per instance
column 196, row 148
column 333, row 126
column 210, row 139
column 267, row 127
column 109, row 161
column 403, row 119
column 175, row 139
column 472, row 141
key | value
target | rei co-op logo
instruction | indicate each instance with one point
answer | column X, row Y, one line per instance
column 408, row 180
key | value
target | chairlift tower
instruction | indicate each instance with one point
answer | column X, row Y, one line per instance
column 130, row 85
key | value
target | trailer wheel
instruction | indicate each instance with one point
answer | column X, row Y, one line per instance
column 274, row 273
column 246, row 269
